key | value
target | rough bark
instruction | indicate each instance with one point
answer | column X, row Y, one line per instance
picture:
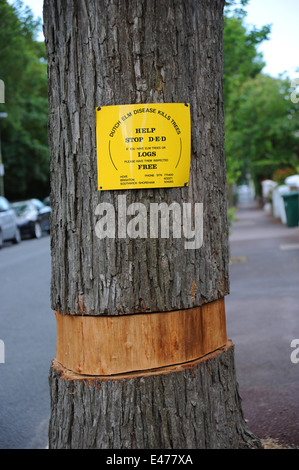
column 197, row 405
column 122, row 52
column 107, row 52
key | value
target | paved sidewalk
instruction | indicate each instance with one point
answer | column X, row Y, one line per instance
column 262, row 313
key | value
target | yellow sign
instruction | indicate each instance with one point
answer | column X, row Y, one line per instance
column 143, row 146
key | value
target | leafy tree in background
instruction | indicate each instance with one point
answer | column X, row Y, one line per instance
column 261, row 124
column 24, row 133
column 241, row 63
column 260, row 121
column 262, row 131
column 241, row 59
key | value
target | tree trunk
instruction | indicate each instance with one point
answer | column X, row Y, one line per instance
column 191, row 406
column 109, row 52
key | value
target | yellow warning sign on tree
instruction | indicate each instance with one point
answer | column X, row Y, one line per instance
column 143, row 146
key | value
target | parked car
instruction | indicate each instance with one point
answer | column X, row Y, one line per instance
column 9, row 229
column 33, row 217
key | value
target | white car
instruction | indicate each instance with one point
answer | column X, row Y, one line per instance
column 9, row 229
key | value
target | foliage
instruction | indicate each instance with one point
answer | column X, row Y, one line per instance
column 235, row 7
column 24, row 133
column 280, row 175
column 261, row 134
column 241, row 59
column 261, row 123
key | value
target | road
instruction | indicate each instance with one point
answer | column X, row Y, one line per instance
column 262, row 320
column 262, row 314
column 28, row 330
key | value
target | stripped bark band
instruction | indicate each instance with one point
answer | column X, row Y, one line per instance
column 108, row 345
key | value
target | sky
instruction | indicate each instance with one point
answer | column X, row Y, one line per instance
column 281, row 51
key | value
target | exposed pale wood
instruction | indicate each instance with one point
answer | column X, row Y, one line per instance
column 112, row 345
column 67, row 374
column 197, row 405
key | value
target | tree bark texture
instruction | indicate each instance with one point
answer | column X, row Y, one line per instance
column 113, row 52
column 108, row 52
column 197, row 405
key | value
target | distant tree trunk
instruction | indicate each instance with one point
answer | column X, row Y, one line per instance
column 110, row 52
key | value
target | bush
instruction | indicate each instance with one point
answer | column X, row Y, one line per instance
column 280, row 175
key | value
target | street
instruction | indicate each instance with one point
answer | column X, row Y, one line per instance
column 28, row 330
column 262, row 313
column 262, row 320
